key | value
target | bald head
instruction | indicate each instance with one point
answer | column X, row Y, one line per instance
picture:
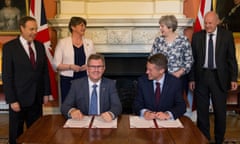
column 211, row 21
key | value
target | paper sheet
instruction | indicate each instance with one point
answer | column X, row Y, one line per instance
column 169, row 123
column 98, row 122
column 139, row 122
column 83, row 123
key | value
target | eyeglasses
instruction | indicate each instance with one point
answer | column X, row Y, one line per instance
column 95, row 66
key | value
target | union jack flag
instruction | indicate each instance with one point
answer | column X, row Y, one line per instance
column 204, row 7
column 37, row 11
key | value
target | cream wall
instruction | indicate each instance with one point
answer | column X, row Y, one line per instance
column 119, row 8
column 126, row 26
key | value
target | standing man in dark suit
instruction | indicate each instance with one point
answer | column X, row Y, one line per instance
column 79, row 99
column 213, row 78
column 169, row 104
column 25, row 78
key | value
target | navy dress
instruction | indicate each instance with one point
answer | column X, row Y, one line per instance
column 65, row 82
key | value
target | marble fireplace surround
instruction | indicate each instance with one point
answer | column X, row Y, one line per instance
column 128, row 28
column 123, row 30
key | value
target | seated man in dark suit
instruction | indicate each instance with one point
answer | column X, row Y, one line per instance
column 159, row 101
column 93, row 94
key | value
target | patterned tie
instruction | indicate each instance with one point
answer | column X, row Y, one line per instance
column 210, row 52
column 32, row 58
column 93, row 103
column 157, row 92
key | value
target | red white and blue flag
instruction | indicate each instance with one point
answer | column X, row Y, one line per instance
column 37, row 11
column 204, row 7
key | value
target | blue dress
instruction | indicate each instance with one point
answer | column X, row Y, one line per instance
column 65, row 82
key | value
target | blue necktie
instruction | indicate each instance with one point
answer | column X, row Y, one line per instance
column 93, row 103
column 210, row 52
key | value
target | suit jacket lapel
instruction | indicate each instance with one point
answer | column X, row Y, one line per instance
column 164, row 89
column 37, row 52
column 203, row 42
column 102, row 92
column 150, row 87
column 218, row 43
column 85, row 88
column 24, row 54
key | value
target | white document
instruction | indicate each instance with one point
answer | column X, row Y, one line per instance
column 83, row 123
column 139, row 122
column 169, row 123
column 98, row 122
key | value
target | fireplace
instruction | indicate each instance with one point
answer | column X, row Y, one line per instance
column 123, row 36
column 125, row 68
column 125, row 65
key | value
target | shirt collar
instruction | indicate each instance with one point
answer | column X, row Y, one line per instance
column 92, row 83
column 23, row 41
column 214, row 32
column 161, row 80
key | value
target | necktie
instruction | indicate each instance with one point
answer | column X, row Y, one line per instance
column 93, row 103
column 32, row 58
column 210, row 52
column 157, row 92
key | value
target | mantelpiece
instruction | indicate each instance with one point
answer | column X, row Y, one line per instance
column 119, row 26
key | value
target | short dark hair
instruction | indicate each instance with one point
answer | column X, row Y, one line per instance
column 96, row 57
column 24, row 20
column 159, row 60
column 76, row 21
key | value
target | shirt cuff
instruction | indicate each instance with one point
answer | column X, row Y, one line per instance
column 171, row 115
column 142, row 111
column 112, row 114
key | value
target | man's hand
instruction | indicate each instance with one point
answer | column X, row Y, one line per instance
column 76, row 114
column 162, row 115
column 234, row 85
column 45, row 99
column 15, row 107
column 191, row 85
column 149, row 115
column 107, row 116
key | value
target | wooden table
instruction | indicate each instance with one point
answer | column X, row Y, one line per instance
column 49, row 130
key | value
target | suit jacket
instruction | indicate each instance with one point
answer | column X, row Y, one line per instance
column 78, row 97
column 226, row 62
column 64, row 53
column 21, row 82
column 171, row 98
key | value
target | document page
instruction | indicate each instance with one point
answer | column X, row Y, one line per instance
column 169, row 123
column 98, row 122
column 139, row 122
column 83, row 123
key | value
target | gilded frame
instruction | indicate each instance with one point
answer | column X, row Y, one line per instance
column 9, row 18
column 237, row 45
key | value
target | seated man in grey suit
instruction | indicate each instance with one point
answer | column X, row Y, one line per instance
column 159, row 94
column 93, row 94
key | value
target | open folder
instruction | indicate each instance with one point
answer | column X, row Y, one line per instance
column 139, row 122
column 90, row 122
